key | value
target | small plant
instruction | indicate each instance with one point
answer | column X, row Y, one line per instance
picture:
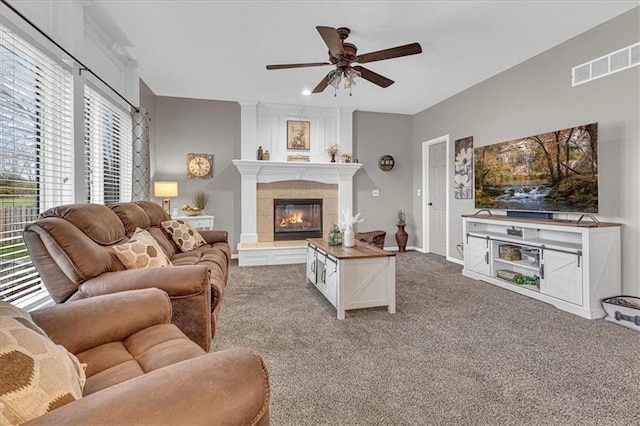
column 347, row 220
column 200, row 200
column 401, row 218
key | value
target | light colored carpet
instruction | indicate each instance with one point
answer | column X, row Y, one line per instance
column 458, row 351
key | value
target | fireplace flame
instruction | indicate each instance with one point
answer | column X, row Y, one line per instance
column 292, row 219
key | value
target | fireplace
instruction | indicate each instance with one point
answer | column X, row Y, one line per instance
column 297, row 219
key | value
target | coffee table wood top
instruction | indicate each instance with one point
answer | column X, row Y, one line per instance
column 359, row 251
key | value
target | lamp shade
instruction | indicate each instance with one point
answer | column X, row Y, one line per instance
column 165, row 189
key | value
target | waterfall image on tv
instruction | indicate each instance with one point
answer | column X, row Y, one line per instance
column 550, row 172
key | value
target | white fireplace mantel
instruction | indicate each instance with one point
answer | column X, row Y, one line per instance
column 275, row 171
column 253, row 172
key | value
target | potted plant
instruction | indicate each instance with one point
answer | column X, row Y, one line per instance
column 401, row 236
column 333, row 150
column 200, row 200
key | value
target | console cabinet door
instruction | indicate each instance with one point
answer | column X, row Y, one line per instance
column 562, row 276
column 477, row 255
column 331, row 280
column 311, row 264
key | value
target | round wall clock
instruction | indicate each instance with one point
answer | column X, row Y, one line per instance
column 199, row 166
column 386, row 163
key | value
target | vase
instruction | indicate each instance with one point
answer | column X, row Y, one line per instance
column 333, row 158
column 349, row 238
column 401, row 238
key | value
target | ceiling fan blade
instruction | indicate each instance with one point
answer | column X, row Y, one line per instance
column 373, row 77
column 285, row 66
column 332, row 40
column 394, row 52
column 322, row 85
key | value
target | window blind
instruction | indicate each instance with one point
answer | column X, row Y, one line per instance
column 36, row 158
column 107, row 150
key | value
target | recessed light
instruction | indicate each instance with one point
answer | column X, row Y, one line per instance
column 306, row 92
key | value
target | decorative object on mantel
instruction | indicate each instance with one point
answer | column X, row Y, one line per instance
column 260, row 153
column 386, row 163
column 401, row 236
column 335, row 237
column 266, row 156
column 463, row 163
column 298, row 158
column 298, row 135
column 199, row 166
column 333, row 150
column 200, row 200
column 347, row 223
column 346, row 157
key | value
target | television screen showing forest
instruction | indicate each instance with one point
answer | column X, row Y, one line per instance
column 551, row 172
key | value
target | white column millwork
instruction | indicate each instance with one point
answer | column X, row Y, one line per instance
column 345, row 125
column 345, row 191
column 248, row 129
column 248, row 188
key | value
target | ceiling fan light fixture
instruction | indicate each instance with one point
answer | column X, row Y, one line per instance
column 335, row 78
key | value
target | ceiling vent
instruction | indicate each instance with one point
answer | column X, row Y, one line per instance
column 606, row 65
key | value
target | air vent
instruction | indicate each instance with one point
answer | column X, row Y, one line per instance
column 606, row 65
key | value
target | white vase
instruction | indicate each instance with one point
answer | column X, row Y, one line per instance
column 349, row 238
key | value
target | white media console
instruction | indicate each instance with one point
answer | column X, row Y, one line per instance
column 577, row 264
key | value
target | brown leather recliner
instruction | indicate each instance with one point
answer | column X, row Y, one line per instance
column 70, row 247
column 142, row 370
column 375, row 238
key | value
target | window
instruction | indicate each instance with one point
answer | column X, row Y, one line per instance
column 107, row 150
column 36, row 157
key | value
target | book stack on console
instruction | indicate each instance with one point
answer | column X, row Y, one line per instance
column 508, row 275
column 510, row 252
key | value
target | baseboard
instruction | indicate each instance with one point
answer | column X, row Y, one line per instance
column 455, row 260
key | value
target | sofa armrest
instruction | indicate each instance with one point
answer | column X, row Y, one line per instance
column 212, row 237
column 188, row 287
column 229, row 387
column 177, row 281
column 88, row 323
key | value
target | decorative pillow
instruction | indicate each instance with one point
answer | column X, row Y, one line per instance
column 141, row 251
column 36, row 375
column 183, row 234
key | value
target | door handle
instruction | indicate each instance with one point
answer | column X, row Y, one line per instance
column 429, row 203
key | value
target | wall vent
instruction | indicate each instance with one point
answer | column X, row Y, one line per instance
column 606, row 65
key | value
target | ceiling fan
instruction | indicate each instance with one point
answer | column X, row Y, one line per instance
column 343, row 55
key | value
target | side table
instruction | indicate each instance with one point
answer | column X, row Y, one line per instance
column 204, row 222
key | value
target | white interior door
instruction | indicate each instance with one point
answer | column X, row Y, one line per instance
column 436, row 198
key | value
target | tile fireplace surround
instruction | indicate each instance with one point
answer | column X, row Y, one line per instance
column 261, row 181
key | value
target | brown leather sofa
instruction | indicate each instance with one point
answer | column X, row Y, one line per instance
column 70, row 248
column 141, row 369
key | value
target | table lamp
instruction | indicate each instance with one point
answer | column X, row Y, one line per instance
column 164, row 190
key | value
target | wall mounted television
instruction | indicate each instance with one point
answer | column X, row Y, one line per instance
column 551, row 172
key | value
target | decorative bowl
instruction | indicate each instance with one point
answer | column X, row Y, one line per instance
column 192, row 212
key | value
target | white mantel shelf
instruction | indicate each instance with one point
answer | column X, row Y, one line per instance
column 274, row 171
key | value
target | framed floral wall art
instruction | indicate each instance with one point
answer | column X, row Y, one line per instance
column 463, row 168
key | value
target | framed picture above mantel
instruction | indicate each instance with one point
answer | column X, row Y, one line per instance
column 299, row 135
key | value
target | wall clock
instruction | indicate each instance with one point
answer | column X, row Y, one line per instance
column 386, row 163
column 199, row 166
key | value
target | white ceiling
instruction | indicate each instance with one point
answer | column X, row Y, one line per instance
column 219, row 49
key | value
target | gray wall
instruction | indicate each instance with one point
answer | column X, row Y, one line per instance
column 184, row 126
column 536, row 97
column 375, row 135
